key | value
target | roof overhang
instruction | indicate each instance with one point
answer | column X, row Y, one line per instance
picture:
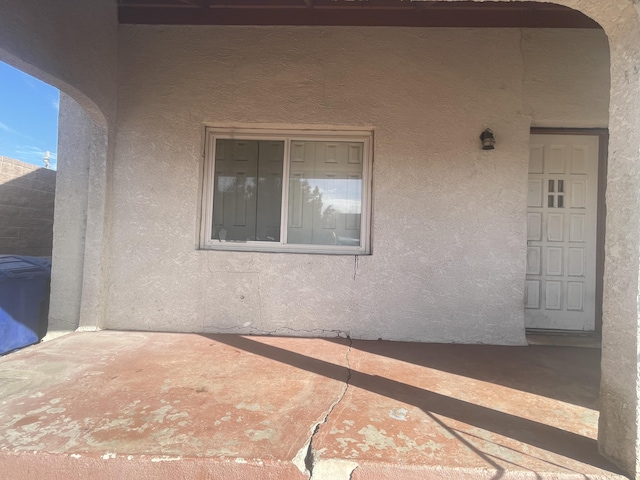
column 406, row 13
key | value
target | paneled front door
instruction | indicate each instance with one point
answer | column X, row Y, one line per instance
column 561, row 232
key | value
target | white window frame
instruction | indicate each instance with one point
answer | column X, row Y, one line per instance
column 214, row 133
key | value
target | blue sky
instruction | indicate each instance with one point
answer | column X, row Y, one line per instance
column 28, row 117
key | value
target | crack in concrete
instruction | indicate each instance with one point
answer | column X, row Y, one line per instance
column 311, row 459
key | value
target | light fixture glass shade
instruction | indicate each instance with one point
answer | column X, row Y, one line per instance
column 488, row 140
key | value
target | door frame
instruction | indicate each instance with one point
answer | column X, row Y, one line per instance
column 603, row 156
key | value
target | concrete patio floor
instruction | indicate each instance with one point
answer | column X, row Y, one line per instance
column 133, row 405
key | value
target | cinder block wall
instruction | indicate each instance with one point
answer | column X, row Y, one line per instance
column 27, row 195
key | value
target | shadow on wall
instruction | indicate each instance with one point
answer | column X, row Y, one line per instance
column 27, row 195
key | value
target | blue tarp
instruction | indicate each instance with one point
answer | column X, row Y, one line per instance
column 24, row 300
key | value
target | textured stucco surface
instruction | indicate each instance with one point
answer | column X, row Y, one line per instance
column 618, row 432
column 74, row 140
column 73, row 46
column 448, row 218
column 618, row 429
column 69, row 44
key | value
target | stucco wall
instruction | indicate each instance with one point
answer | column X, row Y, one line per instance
column 73, row 46
column 448, row 218
column 69, row 44
column 74, row 140
column 27, row 195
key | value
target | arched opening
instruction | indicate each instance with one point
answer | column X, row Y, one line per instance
column 28, row 145
column 80, row 162
column 28, row 160
column 157, row 172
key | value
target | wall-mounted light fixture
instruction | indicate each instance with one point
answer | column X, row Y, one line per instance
column 488, row 140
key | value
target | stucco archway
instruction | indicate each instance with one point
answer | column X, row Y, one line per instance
column 42, row 40
column 82, row 148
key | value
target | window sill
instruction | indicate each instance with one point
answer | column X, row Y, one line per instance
column 304, row 249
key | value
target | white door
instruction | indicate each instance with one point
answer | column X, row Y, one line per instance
column 561, row 232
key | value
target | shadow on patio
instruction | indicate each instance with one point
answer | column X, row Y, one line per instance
column 153, row 405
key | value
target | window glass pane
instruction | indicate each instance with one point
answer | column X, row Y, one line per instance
column 247, row 190
column 325, row 193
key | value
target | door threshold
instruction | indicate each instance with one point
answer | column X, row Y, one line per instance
column 564, row 338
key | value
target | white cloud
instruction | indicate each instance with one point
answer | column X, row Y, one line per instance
column 55, row 103
column 7, row 128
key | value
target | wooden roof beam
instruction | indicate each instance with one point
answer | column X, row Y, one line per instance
column 406, row 13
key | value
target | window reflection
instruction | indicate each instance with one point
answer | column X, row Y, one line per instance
column 325, row 193
column 247, row 190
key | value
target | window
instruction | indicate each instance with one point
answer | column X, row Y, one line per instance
column 305, row 191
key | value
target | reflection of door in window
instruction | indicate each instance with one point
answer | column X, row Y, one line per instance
column 325, row 193
column 301, row 191
column 248, row 190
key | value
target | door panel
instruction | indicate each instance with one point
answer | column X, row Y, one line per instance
column 561, row 232
column 325, row 193
column 248, row 190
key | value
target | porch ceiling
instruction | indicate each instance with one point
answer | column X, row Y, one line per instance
column 409, row 13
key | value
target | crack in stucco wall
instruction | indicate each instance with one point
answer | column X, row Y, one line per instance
column 355, row 266
column 307, row 457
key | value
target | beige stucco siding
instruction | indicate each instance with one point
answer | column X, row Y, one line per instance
column 566, row 78
column 73, row 46
column 70, row 44
column 448, row 219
